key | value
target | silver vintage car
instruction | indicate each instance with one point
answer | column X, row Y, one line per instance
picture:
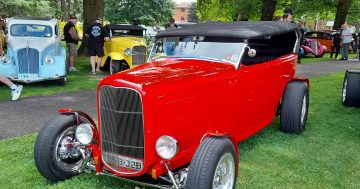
column 34, row 51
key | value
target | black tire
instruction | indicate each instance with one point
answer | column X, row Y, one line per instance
column 351, row 89
column 205, row 162
column 61, row 82
column 294, row 107
column 321, row 55
column 118, row 66
column 47, row 146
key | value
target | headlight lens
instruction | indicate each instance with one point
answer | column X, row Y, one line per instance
column 128, row 51
column 5, row 59
column 166, row 147
column 49, row 59
column 84, row 133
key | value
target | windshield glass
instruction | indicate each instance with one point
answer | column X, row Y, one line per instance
column 214, row 48
column 31, row 30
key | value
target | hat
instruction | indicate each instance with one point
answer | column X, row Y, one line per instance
column 98, row 18
column 72, row 17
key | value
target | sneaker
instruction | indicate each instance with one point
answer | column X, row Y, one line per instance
column 15, row 93
column 72, row 69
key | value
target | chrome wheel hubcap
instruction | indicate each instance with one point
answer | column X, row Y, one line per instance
column 344, row 91
column 303, row 110
column 67, row 154
column 224, row 172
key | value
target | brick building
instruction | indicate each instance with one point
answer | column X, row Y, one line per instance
column 181, row 12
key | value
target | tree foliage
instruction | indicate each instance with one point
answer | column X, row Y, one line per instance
column 148, row 12
column 192, row 13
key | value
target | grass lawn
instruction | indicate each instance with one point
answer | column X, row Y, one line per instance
column 76, row 81
column 326, row 155
column 326, row 57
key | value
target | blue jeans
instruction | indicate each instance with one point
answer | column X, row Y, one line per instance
column 345, row 50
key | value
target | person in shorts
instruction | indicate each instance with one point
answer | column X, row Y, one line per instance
column 71, row 38
column 15, row 89
column 96, row 34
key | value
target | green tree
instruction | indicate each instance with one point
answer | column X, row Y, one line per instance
column 192, row 13
column 268, row 9
column 148, row 12
column 92, row 9
column 341, row 13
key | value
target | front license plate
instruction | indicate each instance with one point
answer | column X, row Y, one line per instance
column 123, row 161
column 28, row 76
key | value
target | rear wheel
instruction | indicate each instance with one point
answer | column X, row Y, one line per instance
column 213, row 165
column 351, row 89
column 57, row 152
column 294, row 107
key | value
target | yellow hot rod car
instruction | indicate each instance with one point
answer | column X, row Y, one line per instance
column 126, row 47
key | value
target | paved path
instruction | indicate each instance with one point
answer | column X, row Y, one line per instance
column 29, row 114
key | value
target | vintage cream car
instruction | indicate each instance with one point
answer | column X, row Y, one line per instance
column 126, row 47
column 34, row 51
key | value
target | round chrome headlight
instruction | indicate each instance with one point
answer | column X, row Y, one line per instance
column 49, row 59
column 84, row 133
column 166, row 147
column 127, row 51
column 5, row 59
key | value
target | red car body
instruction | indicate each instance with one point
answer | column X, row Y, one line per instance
column 196, row 104
column 179, row 102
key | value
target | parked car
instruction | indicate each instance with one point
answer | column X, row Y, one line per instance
column 175, row 122
column 312, row 46
column 351, row 88
column 34, row 51
column 126, row 48
column 322, row 37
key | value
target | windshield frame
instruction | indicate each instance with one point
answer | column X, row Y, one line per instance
column 236, row 64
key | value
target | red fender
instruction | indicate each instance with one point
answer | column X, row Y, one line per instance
column 71, row 111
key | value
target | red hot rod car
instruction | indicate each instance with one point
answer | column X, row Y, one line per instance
column 175, row 121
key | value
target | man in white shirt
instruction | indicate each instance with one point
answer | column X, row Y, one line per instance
column 346, row 36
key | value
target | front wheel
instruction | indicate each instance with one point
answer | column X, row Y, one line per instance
column 118, row 66
column 294, row 107
column 57, row 152
column 213, row 165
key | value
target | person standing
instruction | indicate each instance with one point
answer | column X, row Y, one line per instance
column 335, row 45
column 96, row 34
column 302, row 32
column 71, row 38
column 15, row 89
column 346, row 39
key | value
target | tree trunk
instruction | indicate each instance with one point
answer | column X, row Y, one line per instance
column 268, row 9
column 92, row 8
column 64, row 16
column 341, row 13
column 69, row 7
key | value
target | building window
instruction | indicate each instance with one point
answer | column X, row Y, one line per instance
column 182, row 18
column 182, row 9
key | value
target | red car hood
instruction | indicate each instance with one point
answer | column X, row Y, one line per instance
column 170, row 73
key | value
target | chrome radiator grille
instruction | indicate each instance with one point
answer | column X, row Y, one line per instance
column 139, row 55
column 28, row 60
column 121, row 124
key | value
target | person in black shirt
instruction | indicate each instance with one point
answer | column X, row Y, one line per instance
column 96, row 34
column 335, row 45
column 71, row 38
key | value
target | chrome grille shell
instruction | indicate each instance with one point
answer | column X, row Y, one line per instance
column 28, row 61
column 139, row 55
column 121, row 126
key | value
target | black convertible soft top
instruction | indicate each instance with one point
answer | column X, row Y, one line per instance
column 239, row 29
